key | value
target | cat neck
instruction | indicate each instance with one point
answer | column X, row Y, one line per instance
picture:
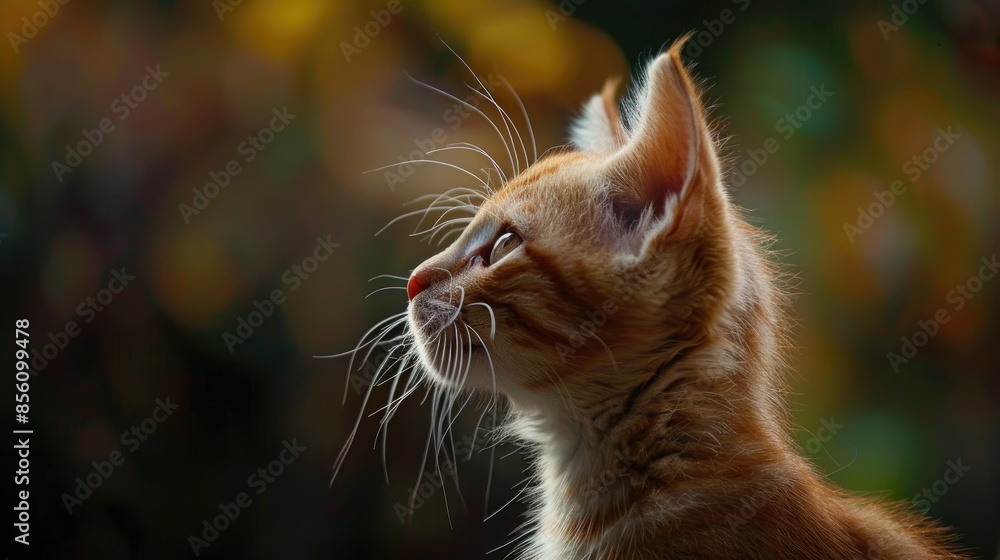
column 696, row 462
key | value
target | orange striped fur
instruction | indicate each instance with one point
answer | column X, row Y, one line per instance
column 640, row 334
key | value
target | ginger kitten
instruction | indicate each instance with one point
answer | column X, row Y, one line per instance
column 635, row 324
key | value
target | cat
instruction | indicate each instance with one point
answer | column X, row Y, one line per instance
column 636, row 325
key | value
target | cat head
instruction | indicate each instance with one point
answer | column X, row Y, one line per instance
column 593, row 262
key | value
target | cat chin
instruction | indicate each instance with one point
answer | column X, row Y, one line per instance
column 479, row 376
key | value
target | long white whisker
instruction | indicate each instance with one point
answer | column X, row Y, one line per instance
column 527, row 120
column 456, row 202
column 357, row 422
column 459, row 204
column 394, row 277
column 444, row 163
column 472, row 108
column 437, row 224
column 489, row 96
column 464, row 222
column 493, row 319
column 403, row 365
column 383, row 289
column 475, row 149
column 512, row 500
column 369, row 331
column 508, row 124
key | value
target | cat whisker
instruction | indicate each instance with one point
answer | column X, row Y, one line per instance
column 503, row 175
column 444, row 163
column 493, row 319
column 508, row 124
column 339, row 462
column 458, row 203
column 524, row 112
column 525, row 485
column 385, row 423
column 492, row 405
column 462, row 191
column 402, row 217
column 459, row 225
column 611, row 356
column 441, row 225
column 406, row 334
column 458, row 308
column 456, row 231
column 475, row 149
column 454, row 199
column 393, row 403
column 358, row 348
column 392, row 276
column 449, row 371
column 485, row 93
column 383, row 289
column 423, row 213
column 420, row 471
column 403, row 365
column 472, row 108
column 393, row 320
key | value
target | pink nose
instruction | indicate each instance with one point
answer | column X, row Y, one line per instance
column 417, row 283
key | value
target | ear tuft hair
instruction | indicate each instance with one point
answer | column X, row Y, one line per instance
column 599, row 128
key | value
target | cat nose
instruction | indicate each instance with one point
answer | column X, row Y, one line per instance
column 426, row 275
column 421, row 279
column 414, row 286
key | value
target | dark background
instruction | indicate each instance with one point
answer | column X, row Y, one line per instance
column 197, row 276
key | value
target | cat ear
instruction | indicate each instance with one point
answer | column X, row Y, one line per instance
column 669, row 162
column 599, row 128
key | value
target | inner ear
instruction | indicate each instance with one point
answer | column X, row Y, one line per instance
column 669, row 154
column 628, row 211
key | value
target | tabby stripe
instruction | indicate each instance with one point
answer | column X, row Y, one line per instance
column 641, row 389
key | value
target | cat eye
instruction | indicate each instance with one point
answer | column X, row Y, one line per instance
column 504, row 245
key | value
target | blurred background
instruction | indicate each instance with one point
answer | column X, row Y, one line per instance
column 186, row 220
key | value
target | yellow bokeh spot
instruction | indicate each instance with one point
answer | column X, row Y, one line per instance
column 193, row 281
column 907, row 122
column 279, row 29
column 523, row 46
